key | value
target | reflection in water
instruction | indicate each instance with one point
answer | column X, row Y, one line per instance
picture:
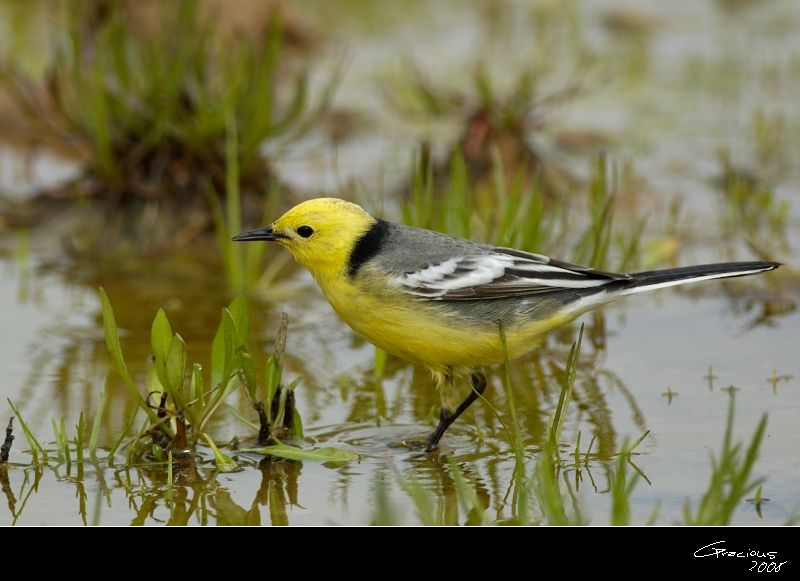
column 379, row 417
column 278, row 488
column 380, row 420
column 196, row 496
column 341, row 403
column 478, row 467
column 64, row 361
column 30, row 483
column 7, row 492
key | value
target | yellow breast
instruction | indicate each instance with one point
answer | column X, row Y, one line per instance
column 418, row 331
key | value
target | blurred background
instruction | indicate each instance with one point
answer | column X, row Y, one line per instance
column 137, row 137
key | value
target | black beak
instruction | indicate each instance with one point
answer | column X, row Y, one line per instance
column 265, row 233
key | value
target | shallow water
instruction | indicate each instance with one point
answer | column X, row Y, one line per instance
column 703, row 75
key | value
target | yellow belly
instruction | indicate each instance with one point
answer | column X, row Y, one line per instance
column 418, row 332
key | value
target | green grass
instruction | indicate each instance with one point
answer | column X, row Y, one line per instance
column 507, row 107
column 38, row 453
column 499, row 118
column 543, row 483
column 731, row 477
column 539, row 490
column 183, row 113
column 515, row 212
column 521, row 491
column 153, row 110
column 540, row 493
column 182, row 399
column 179, row 408
column 243, row 263
column 751, row 211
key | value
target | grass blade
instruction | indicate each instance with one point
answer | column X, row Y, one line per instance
column 98, row 416
column 36, row 447
column 326, row 454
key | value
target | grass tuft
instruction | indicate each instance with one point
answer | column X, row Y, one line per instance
column 731, row 477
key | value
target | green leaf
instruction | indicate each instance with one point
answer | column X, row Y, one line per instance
column 160, row 335
column 217, row 396
column 218, row 355
column 238, row 415
column 154, row 385
column 169, row 474
column 240, row 312
column 160, row 340
column 198, row 389
column 112, row 342
column 176, row 368
column 32, row 441
column 326, row 454
column 115, row 349
column 297, row 424
column 279, row 417
column 229, row 337
column 271, row 383
column 224, row 462
column 222, row 349
column 80, row 432
column 565, row 396
column 98, row 416
column 122, row 436
column 245, row 362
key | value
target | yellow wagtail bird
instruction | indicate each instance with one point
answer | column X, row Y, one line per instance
column 440, row 301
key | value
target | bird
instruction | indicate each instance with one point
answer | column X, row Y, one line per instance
column 442, row 302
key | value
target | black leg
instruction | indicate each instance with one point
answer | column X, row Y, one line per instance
column 447, row 417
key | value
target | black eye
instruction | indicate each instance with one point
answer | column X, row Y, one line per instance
column 305, row 231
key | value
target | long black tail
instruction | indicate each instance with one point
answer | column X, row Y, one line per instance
column 655, row 279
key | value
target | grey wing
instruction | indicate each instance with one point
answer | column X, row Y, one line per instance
column 438, row 267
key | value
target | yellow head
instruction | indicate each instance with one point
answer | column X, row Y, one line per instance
column 319, row 233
